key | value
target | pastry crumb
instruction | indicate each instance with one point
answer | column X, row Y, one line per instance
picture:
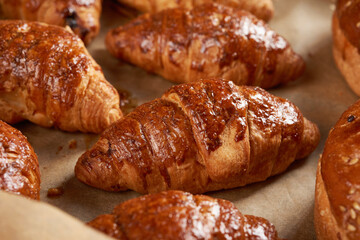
column 59, row 150
column 55, row 192
column 73, row 144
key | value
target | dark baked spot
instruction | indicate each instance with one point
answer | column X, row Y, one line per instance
column 71, row 18
column 351, row 118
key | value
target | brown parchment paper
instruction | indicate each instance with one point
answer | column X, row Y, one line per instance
column 286, row 200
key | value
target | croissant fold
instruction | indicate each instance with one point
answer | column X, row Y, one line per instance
column 19, row 167
column 210, row 41
column 199, row 137
column 48, row 77
column 180, row 215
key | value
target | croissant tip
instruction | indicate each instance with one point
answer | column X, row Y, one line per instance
column 93, row 170
column 310, row 139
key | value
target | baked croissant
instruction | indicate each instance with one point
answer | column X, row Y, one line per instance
column 181, row 215
column 263, row 9
column 82, row 16
column 346, row 35
column 19, row 167
column 337, row 194
column 48, row 77
column 210, row 41
column 199, row 137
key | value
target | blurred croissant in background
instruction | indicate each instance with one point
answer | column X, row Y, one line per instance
column 48, row 77
column 209, row 41
column 83, row 17
column 263, row 9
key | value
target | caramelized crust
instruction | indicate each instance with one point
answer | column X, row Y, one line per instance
column 262, row 9
column 346, row 35
column 348, row 13
column 338, row 192
column 199, row 137
column 83, row 16
column 180, row 215
column 19, row 167
column 209, row 41
column 48, row 77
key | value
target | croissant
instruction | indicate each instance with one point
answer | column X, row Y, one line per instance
column 19, row 167
column 181, row 215
column 346, row 46
column 337, row 199
column 263, row 9
column 199, row 137
column 82, row 16
column 210, row 41
column 48, row 77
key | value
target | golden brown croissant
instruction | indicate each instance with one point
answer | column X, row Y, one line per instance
column 19, row 167
column 337, row 195
column 48, row 77
column 210, row 41
column 263, row 9
column 199, row 137
column 82, row 16
column 181, row 215
column 346, row 35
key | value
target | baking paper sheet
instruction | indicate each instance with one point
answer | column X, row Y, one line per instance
column 286, row 200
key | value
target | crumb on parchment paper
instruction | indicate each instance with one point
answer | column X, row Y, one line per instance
column 55, row 192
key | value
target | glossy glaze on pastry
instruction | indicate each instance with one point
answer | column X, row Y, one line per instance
column 337, row 205
column 262, row 9
column 210, row 41
column 348, row 13
column 199, row 137
column 180, row 215
column 48, row 77
column 19, row 167
column 82, row 16
column 346, row 36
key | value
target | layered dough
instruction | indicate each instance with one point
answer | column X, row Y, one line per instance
column 346, row 36
column 19, row 167
column 199, row 137
column 337, row 200
column 48, row 77
column 209, row 41
column 263, row 9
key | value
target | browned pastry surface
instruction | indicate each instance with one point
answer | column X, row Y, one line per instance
column 337, row 208
column 348, row 13
column 199, row 137
column 48, row 77
column 83, row 16
column 19, row 167
column 346, row 35
column 209, row 41
column 180, row 215
column 263, row 9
